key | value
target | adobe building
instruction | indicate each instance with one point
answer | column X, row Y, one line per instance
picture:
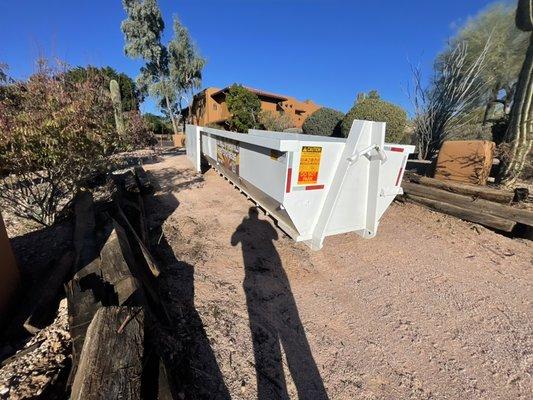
column 209, row 106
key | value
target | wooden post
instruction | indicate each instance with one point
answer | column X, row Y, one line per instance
column 111, row 361
column 9, row 272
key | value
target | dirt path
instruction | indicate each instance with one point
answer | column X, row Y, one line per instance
column 433, row 307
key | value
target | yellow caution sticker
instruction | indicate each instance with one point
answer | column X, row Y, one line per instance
column 309, row 165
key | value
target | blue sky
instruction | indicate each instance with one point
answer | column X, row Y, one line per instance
column 325, row 50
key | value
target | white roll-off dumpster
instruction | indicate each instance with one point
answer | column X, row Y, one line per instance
column 313, row 186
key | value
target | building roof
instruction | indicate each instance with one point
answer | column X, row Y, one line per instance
column 256, row 91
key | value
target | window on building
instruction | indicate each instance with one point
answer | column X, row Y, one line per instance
column 215, row 106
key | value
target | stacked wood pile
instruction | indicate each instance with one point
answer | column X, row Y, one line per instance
column 490, row 207
column 113, row 299
column 113, row 318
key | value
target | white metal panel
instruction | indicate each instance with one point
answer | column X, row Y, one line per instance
column 192, row 145
column 265, row 168
column 303, row 205
column 392, row 174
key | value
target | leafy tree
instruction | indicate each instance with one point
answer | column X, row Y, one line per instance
column 375, row 109
column 244, row 107
column 157, row 124
column 142, row 31
column 185, row 65
column 168, row 71
column 56, row 133
column 130, row 95
column 507, row 46
column 373, row 94
column 275, row 121
column 325, row 121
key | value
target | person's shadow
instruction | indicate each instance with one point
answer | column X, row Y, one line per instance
column 273, row 315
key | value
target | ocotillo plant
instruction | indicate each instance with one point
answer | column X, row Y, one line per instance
column 114, row 88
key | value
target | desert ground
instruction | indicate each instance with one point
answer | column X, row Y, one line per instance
column 432, row 308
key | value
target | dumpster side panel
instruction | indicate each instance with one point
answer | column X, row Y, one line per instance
column 305, row 200
column 265, row 168
column 391, row 175
column 192, row 145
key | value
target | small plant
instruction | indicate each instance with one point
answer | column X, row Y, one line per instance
column 244, row 107
column 275, row 121
column 372, row 108
column 325, row 122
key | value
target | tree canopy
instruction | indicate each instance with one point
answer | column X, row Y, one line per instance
column 244, row 107
column 169, row 71
column 130, row 95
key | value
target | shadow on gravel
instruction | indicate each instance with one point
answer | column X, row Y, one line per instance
column 194, row 367
column 273, row 315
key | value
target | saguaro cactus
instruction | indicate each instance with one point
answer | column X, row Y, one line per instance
column 114, row 88
column 519, row 135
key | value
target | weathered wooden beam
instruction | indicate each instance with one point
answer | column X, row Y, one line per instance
column 86, row 293
column 130, row 183
column 49, row 291
column 144, row 180
column 483, row 192
column 475, row 204
column 84, row 230
column 111, row 361
column 466, row 214
column 116, row 260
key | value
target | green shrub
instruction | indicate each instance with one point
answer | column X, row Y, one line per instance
column 275, row 121
column 324, row 122
column 244, row 107
column 375, row 109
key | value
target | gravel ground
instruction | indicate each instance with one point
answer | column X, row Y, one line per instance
column 432, row 308
column 34, row 372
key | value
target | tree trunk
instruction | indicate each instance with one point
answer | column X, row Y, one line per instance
column 174, row 126
column 519, row 135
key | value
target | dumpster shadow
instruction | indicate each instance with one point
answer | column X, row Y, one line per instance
column 273, row 315
column 194, row 370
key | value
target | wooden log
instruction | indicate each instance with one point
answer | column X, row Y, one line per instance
column 111, row 361
column 483, row 192
column 116, row 260
column 144, row 180
column 42, row 308
column 86, row 293
column 148, row 258
column 84, row 230
column 466, row 214
column 130, row 183
column 475, row 204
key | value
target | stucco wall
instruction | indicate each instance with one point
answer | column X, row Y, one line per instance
column 9, row 273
